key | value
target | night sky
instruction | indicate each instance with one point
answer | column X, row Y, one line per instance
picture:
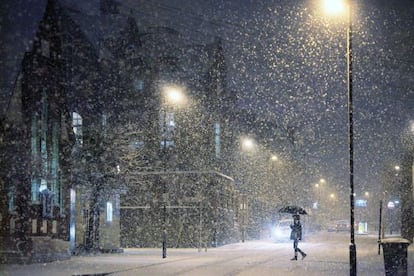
column 287, row 62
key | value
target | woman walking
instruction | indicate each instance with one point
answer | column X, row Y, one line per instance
column 296, row 236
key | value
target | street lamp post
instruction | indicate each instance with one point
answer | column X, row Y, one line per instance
column 321, row 186
column 318, row 194
column 352, row 246
column 336, row 6
column 243, row 209
column 164, row 186
column 172, row 94
column 247, row 145
column 274, row 178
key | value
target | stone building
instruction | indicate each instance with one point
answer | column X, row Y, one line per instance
column 86, row 117
column 35, row 155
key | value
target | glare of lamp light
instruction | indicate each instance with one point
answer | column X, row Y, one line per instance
column 247, row 144
column 174, row 94
column 334, row 6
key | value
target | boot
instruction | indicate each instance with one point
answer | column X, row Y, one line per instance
column 294, row 258
column 303, row 256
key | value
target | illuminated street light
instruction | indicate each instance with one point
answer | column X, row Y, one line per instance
column 397, row 169
column 247, row 144
column 173, row 95
column 335, row 6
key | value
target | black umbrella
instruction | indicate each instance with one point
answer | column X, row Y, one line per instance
column 293, row 209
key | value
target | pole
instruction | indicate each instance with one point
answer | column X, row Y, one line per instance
column 243, row 226
column 380, row 228
column 164, row 189
column 352, row 247
column 243, row 206
column 200, row 226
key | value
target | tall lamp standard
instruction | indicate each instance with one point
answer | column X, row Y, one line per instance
column 246, row 145
column 274, row 160
column 172, row 96
column 338, row 6
column 318, row 194
column 321, row 186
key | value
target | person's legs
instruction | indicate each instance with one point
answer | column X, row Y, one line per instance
column 300, row 251
column 295, row 247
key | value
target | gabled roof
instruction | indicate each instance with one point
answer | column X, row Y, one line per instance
column 19, row 25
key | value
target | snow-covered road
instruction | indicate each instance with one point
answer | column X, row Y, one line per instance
column 328, row 254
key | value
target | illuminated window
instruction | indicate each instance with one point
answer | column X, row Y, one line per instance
column 45, row 170
column 217, row 141
column 109, row 211
column 43, row 185
column 167, row 127
column 105, row 124
column 77, row 127
column 12, row 198
column 40, row 147
column 138, row 85
column 35, row 156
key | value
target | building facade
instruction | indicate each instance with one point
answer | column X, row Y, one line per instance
column 36, row 155
column 87, row 120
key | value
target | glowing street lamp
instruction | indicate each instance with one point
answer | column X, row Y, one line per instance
column 173, row 95
column 334, row 7
column 247, row 144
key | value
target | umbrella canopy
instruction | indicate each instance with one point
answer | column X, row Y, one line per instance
column 293, row 209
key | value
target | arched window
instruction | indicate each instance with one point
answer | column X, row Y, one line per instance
column 217, row 140
column 77, row 127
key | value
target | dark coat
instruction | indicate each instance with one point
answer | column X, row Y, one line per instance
column 296, row 233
